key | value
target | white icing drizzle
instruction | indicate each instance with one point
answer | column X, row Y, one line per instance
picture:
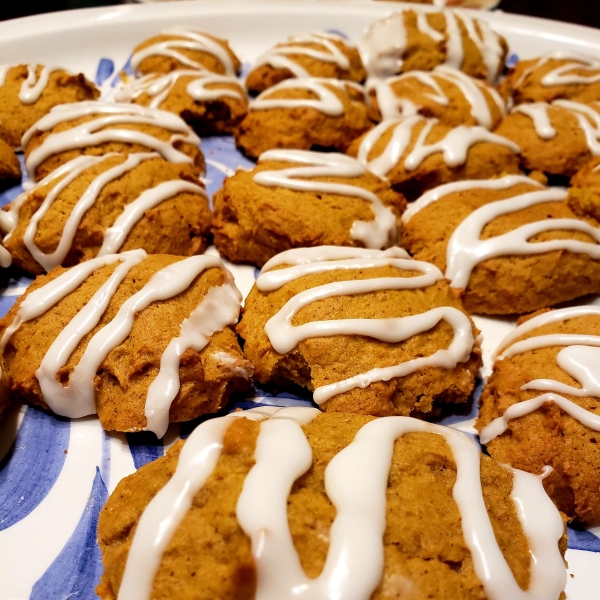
column 101, row 129
column 166, row 510
column 579, row 359
column 219, row 308
column 284, row 336
column 562, row 74
column 114, row 236
column 158, row 87
column 385, row 42
column 5, row 258
column 279, row 56
column 587, row 117
column 454, row 146
column 185, row 39
column 33, row 86
column 326, row 101
column 356, row 482
column 378, row 233
column 473, row 91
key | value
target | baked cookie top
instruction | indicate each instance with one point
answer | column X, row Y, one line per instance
column 304, row 114
column 210, row 103
column 541, row 405
column 552, row 76
column 510, row 245
column 183, row 48
column 341, row 496
column 10, row 169
column 557, row 138
column 98, row 205
column 417, row 154
column 96, row 128
column 309, row 54
column 444, row 93
column 297, row 198
column 371, row 332
column 29, row 91
column 412, row 40
column 141, row 340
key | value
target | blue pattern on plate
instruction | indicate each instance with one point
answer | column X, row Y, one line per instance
column 106, row 68
column 512, row 60
column 32, row 465
column 580, row 539
column 144, row 448
column 76, row 570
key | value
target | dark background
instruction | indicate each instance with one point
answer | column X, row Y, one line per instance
column 584, row 12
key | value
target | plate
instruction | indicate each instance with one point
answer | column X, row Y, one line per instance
column 56, row 474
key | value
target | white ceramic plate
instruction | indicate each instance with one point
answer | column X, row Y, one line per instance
column 55, row 474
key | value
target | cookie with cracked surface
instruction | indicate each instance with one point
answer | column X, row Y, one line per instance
column 141, row 340
column 508, row 246
column 368, row 331
column 297, row 198
column 283, row 470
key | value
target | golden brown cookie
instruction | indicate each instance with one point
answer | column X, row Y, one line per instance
column 181, row 48
column 445, row 93
column 10, row 169
column 211, row 104
column 409, row 509
column 509, row 246
column 389, row 338
column 540, row 407
column 143, row 340
column 553, row 76
column 310, row 54
column 411, row 40
column 417, row 154
column 297, row 198
column 106, row 204
column 5, row 397
column 557, row 138
column 28, row 92
column 97, row 128
column 304, row 114
column 584, row 192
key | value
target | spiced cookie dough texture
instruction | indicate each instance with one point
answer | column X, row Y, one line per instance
column 99, row 205
column 509, row 245
column 584, row 191
column 5, row 397
column 445, row 93
column 211, row 104
column 540, row 407
column 416, row 154
column 341, row 496
column 10, row 169
column 554, row 76
column 370, row 331
column 420, row 41
column 557, row 138
column 297, row 198
column 97, row 128
column 181, row 48
column 141, row 340
column 310, row 54
column 304, row 114
column 28, row 92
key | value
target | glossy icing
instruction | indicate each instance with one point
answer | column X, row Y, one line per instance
column 355, row 482
column 378, row 233
column 284, row 336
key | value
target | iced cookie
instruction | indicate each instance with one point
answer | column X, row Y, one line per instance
column 508, row 245
column 368, row 331
column 297, row 198
column 540, row 410
column 304, row 114
column 311, row 54
column 354, row 507
column 141, row 340
column 98, row 205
